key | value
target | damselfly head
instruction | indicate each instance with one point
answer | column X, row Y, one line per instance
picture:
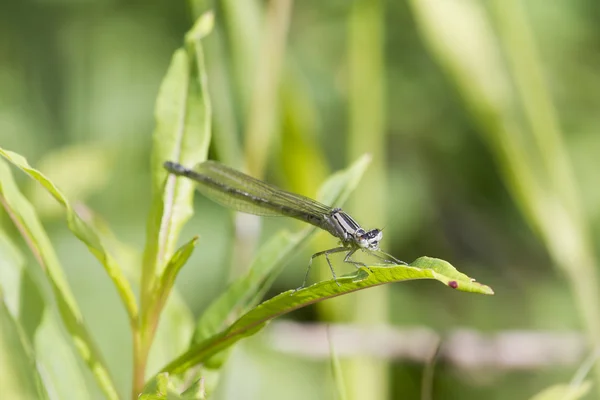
column 369, row 240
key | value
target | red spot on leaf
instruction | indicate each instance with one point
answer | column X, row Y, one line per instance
column 453, row 284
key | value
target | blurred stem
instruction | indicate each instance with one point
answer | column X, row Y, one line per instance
column 225, row 139
column 243, row 20
column 367, row 377
column 566, row 234
column 140, row 358
column 534, row 164
column 262, row 113
column 262, row 108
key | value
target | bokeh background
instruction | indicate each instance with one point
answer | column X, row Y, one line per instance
column 482, row 120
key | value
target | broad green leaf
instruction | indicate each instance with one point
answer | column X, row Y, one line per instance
column 64, row 374
column 84, row 232
column 24, row 217
column 564, row 392
column 257, row 318
column 182, row 134
column 19, row 378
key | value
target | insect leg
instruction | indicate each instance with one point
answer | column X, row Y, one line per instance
column 321, row 253
column 357, row 264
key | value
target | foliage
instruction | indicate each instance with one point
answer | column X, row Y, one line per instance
column 479, row 118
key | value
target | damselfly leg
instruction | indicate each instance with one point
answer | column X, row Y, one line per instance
column 392, row 258
column 348, row 260
column 325, row 253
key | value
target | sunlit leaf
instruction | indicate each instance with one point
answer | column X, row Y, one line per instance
column 64, row 374
column 83, row 231
column 256, row 319
column 182, row 134
column 26, row 220
column 19, row 378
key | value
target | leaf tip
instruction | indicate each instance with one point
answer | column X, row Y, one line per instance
column 202, row 27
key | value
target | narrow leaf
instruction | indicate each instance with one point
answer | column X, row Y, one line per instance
column 256, row 319
column 19, row 378
column 64, row 374
column 173, row 267
column 84, row 232
column 24, row 217
column 162, row 388
column 182, row 134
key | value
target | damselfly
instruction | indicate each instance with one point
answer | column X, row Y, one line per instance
column 244, row 193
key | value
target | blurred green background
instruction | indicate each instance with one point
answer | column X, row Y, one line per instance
column 472, row 164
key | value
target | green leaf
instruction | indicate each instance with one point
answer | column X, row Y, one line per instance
column 64, row 374
column 24, row 217
column 564, row 392
column 173, row 333
column 175, row 312
column 83, row 231
column 256, row 319
column 202, row 27
column 162, row 388
column 173, row 267
column 177, row 321
column 19, row 378
column 182, row 134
